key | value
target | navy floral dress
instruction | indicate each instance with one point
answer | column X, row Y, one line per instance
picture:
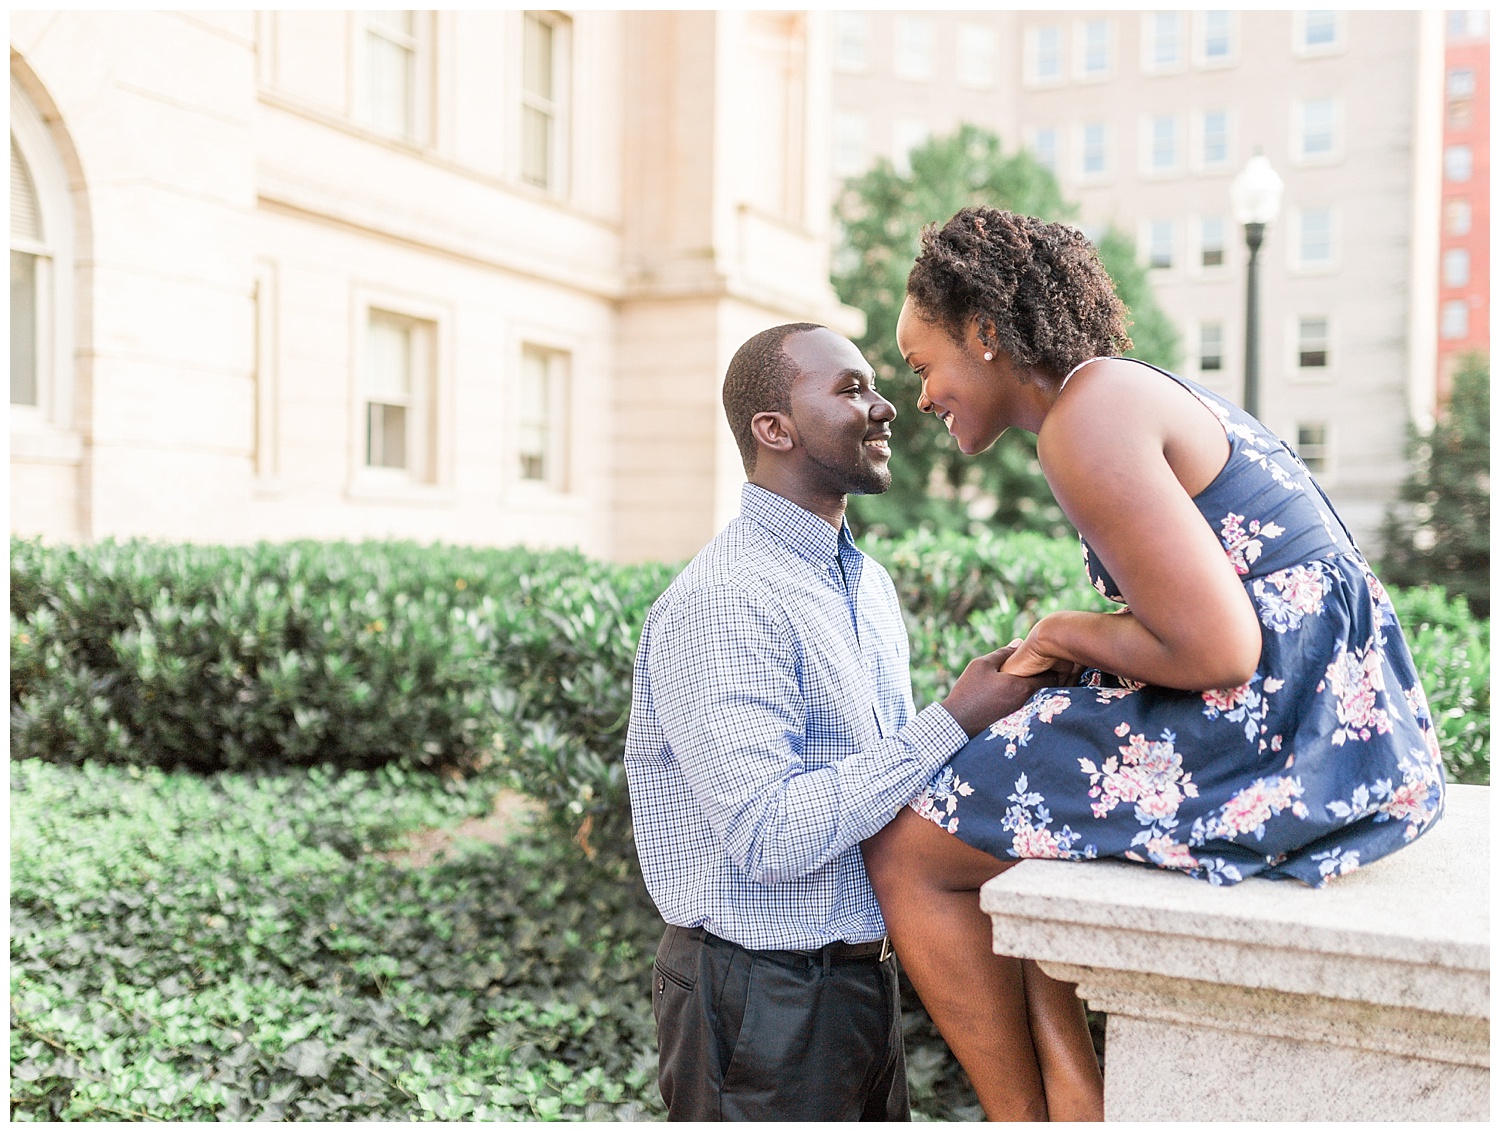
column 1326, row 760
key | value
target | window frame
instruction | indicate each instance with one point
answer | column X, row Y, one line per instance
column 1149, row 169
column 1199, row 141
column 559, row 479
column 1451, row 305
column 560, row 150
column 55, row 252
column 428, row 474
column 974, row 33
column 1325, row 473
column 1219, row 372
column 1201, row 246
column 1106, row 170
column 1459, row 147
column 903, row 40
column 1453, row 254
column 1311, row 374
column 1150, row 40
column 1033, row 50
column 421, row 97
column 841, row 119
column 842, row 22
column 1081, row 73
column 1148, row 246
column 1301, row 49
column 1201, row 57
column 1335, row 153
column 1297, row 262
column 1033, row 144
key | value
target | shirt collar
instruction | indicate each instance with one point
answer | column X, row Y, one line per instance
column 805, row 533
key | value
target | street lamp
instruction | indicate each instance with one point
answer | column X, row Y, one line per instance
column 1255, row 195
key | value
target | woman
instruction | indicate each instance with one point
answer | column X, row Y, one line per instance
column 1251, row 708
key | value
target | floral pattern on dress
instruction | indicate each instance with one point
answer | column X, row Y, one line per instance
column 1417, row 800
column 1336, row 861
column 1245, row 704
column 1028, row 820
column 1147, row 774
column 939, row 800
column 1357, row 679
column 1242, row 541
column 1015, row 728
column 1287, row 596
column 1249, row 810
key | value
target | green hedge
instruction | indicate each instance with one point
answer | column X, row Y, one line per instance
column 360, row 655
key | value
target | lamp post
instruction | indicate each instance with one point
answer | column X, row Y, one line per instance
column 1255, row 195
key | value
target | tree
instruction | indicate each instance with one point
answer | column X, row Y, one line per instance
column 1438, row 531
column 881, row 215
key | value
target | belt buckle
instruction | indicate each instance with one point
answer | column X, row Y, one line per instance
column 885, row 949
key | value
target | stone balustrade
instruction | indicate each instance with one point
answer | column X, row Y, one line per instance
column 1364, row 1000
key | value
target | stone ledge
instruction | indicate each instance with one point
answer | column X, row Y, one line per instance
column 1384, row 973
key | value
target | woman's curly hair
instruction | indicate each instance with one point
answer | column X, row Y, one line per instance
column 1037, row 289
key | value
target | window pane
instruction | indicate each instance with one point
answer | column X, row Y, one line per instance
column 1094, row 148
column 1048, row 52
column 1215, row 137
column 1317, row 236
column 850, row 142
column 392, row 74
column 536, row 59
column 1164, row 39
column 400, row 25
column 1163, row 142
column 1458, row 163
column 388, row 374
column 25, row 216
column 1312, row 446
column 1321, row 27
column 1461, row 82
column 851, row 40
column 532, row 407
column 1457, row 217
column 1096, row 47
column 976, row 55
column 385, row 436
column 23, row 329
column 1312, row 343
column 1213, row 241
column 1216, row 35
column 1455, row 268
column 536, row 146
column 1210, row 346
column 1317, row 126
column 913, row 48
column 1046, row 148
column 1161, row 243
column 1456, row 319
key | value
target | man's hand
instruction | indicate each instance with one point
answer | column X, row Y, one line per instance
column 984, row 694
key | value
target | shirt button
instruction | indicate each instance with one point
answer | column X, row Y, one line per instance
column 661, row 983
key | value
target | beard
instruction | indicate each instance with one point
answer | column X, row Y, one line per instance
column 860, row 479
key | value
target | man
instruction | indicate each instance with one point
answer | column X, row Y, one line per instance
column 771, row 731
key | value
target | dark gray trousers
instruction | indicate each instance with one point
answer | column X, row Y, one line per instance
column 774, row 1035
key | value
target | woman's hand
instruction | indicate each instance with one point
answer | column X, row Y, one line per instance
column 1032, row 657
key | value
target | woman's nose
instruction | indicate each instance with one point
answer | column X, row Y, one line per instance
column 923, row 404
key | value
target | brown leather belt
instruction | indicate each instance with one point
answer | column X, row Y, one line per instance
column 875, row 951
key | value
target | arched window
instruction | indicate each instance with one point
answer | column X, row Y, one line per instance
column 41, row 273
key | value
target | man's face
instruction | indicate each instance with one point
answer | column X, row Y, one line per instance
column 843, row 425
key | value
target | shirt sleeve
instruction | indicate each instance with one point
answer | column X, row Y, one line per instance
column 723, row 671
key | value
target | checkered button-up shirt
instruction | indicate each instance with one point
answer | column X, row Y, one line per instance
column 772, row 729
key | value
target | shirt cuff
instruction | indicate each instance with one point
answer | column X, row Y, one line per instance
column 935, row 735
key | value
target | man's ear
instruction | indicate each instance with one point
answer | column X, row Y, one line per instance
column 774, row 431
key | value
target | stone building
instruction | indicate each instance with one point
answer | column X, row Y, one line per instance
column 462, row 276
column 1146, row 117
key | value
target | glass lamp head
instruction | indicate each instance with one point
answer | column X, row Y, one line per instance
column 1255, row 194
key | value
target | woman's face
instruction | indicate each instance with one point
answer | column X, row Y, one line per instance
column 959, row 387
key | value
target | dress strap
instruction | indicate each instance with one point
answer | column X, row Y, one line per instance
column 1075, row 369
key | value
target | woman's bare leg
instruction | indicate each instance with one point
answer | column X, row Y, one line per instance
column 1060, row 1035
column 927, row 882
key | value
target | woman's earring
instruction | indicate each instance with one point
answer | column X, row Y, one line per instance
column 988, row 356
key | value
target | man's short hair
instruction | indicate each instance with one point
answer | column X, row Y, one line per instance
column 760, row 381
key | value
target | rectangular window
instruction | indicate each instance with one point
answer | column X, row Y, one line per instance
column 1458, row 217
column 1096, row 53
column 1461, row 82
column 907, row 134
column 1315, row 237
column 1312, row 446
column 850, row 144
column 976, row 56
column 544, row 81
column 1320, row 29
column 541, row 417
column 1165, row 43
column 913, row 48
column 1217, row 45
column 1215, row 139
column 1312, row 342
column 1160, row 250
column 1044, row 145
column 1318, row 122
column 851, row 41
column 1455, row 268
column 23, row 328
column 1095, row 149
column 1163, row 143
column 1213, row 241
column 1210, row 346
column 1458, row 163
column 1046, row 54
column 391, row 58
column 1455, row 319
column 394, row 380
